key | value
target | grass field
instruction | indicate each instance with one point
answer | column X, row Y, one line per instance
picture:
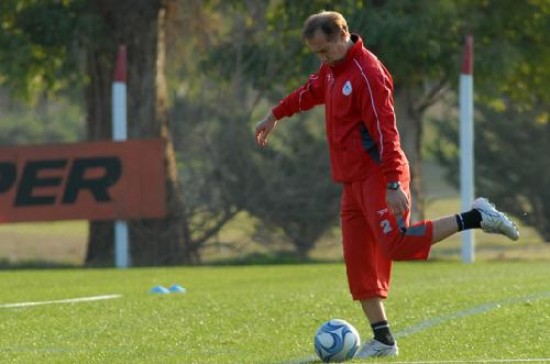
column 496, row 310
column 440, row 311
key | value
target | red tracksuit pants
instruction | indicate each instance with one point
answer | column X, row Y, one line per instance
column 373, row 237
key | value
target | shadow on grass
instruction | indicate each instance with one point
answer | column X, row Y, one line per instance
column 34, row 264
column 272, row 258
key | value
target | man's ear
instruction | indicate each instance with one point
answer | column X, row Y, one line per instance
column 345, row 36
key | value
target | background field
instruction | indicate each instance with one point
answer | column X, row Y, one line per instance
column 64, row 243
column 439, row 310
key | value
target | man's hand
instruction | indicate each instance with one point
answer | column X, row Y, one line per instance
column 397, row 201
column 263, row 128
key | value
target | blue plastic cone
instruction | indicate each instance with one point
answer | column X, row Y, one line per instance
column 159, row 290
column 176, row 288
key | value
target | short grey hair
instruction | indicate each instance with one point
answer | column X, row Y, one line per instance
column 331, row 23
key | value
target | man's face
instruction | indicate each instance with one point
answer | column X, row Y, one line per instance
column 329, row 52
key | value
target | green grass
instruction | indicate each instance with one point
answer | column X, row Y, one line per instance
column 268, row 314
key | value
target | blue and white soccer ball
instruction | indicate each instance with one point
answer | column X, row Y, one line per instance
column 336, row 340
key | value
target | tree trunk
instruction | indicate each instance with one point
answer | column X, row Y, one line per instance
column 140, row 26
column 100, row 250
column 409, row 123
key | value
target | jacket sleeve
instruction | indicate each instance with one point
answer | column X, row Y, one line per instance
column 304, row 97
column 378, row 114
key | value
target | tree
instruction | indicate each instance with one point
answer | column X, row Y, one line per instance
column 512, row 120
column 511, row 165
column 298, row 195
column 41, row 44
column 226, row 67
column 38, row 46
column 287, row 186
column 421, row 44
column 211, row 112
column 419, row 41
column 141, row 27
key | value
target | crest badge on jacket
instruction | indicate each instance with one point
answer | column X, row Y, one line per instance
column 346, row 90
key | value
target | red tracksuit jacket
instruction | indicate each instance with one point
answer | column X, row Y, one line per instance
column 359, row 112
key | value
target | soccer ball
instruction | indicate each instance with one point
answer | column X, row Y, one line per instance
column 336, row 340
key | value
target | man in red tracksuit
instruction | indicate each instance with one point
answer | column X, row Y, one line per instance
column 367, row 159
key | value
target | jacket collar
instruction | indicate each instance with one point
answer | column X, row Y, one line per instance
column 352, row 53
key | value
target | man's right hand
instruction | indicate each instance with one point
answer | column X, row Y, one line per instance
column 263, row 128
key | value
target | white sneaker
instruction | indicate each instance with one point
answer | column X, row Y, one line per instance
column 494, row 221
column 375, row 348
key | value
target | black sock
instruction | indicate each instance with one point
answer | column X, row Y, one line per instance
column 468, row 220
column 382, row 332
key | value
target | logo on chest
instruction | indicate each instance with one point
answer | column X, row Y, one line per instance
column 346, row 90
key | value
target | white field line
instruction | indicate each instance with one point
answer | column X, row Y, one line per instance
column 428, row 324
column 69, row 300
column 528, row 360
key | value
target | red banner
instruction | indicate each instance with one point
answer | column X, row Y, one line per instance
column 93, row 181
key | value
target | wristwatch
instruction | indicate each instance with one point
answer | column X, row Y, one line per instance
column 394, row 185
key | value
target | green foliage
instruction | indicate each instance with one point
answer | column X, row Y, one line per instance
column 420, row 42
column 428, row 32
column 297, row 193
column 511, row 124
column 228, row 61
column 48, row 122
column 289, row 187
column 511, row 51
column 269, row 314
column 40, row 45
column 510, row 167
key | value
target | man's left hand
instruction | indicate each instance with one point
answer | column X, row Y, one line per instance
column 397, row 201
